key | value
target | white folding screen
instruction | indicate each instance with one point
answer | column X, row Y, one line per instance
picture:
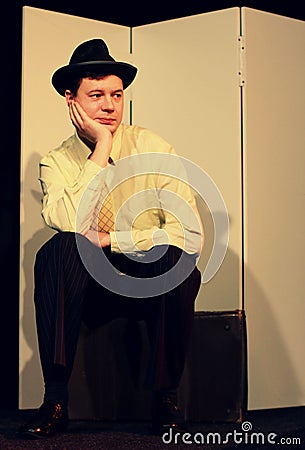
column 248, row 139
column 274, row 111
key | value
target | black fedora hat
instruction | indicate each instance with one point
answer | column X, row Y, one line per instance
column 92, row 56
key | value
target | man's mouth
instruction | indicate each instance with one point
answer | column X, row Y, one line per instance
column 106, row 121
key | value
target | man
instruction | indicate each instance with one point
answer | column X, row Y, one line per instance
column 140, row 263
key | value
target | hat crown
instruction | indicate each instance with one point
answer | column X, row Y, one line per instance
column 92, row 56
column 93, row 50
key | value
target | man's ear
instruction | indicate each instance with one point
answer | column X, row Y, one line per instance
column 69, row 96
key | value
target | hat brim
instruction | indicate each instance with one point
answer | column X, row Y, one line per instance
column 63, row 75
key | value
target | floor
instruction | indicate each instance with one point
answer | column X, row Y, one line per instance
column 261, row 429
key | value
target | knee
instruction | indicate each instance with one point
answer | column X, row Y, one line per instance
column 55, row 243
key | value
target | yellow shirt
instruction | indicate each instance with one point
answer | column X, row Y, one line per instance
column 152, row 201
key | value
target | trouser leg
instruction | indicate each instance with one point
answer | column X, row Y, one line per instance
column 170, row 321
column 169, row 315
column 60, row 283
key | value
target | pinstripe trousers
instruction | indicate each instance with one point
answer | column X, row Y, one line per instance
column 66, row 294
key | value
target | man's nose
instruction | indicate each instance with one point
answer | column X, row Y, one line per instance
column 107, row 103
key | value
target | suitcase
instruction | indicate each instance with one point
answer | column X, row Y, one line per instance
column 214, row 386
column 106, row 382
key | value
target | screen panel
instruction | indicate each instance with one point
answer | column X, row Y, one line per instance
column 188, row 91
column 274, row 107
column 49, row 39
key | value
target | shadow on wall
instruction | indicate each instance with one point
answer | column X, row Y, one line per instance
column 34, row 234
column 273, row 381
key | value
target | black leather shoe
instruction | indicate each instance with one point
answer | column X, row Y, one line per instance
column 51, row 418
column 166, row 415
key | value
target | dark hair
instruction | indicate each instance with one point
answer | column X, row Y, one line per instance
column 75, row 82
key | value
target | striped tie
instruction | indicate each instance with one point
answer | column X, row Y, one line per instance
column 103, row 219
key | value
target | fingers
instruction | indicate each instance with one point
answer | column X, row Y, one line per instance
column 76, row 114
column 93, row 237
column 87, row 127
column 98, row 238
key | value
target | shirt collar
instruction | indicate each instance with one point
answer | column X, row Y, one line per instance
column 82, row 147
column 116, row 143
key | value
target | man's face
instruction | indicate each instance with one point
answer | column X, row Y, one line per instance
column 103, row 100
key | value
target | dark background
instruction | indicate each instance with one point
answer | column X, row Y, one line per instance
column 129, row 13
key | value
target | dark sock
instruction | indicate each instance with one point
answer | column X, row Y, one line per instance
column 56, row 391
column 166, row 393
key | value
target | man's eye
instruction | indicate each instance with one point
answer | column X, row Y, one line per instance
column 97, row 95
column 117, row 95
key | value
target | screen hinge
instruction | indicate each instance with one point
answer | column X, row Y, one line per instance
column 242, row 60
